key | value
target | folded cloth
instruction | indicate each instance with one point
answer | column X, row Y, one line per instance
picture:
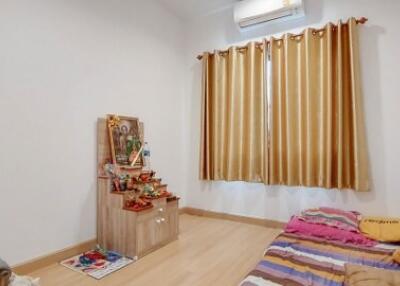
column 357, row 275
column 296, row 225
column 346, row 220
column 5, row 273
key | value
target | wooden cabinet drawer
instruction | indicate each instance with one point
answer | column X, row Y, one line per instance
column 146, row 215
column 159, row 203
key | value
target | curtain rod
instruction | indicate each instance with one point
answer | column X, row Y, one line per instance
column 361, row 20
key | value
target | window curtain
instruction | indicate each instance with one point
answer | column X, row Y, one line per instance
column 234, row 142
column 311, row 134
column 316, row 119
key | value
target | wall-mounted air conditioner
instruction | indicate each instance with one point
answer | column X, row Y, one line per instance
column 251, row 12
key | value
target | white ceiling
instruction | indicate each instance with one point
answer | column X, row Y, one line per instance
column 188, row 9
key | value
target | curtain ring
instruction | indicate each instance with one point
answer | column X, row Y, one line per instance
column 279, row 42
column 296, row 38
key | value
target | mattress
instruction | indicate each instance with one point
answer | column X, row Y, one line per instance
column 295, row 260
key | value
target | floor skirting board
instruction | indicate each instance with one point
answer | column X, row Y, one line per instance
column 55, row 257
column 238, row 218
column 46, row 260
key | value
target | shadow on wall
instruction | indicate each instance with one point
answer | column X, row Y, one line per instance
column 313, row 10
column 90, row 202
column 194, row 103
column 372, row 104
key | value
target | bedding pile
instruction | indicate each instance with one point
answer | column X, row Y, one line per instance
column 357, row 275
column 315, row 249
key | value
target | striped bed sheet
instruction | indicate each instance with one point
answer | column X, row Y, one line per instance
column 294, row 260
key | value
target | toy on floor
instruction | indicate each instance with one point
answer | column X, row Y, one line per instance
column 97, row 263
column 98, row 257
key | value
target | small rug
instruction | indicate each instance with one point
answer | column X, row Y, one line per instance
column 97, row 263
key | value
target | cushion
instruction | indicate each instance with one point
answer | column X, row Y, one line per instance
column 396, row 256
column 340, row 219
column 296, row 225
column 357, row 275
column 381, row 228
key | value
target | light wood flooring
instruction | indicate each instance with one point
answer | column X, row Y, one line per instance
column 208, row 252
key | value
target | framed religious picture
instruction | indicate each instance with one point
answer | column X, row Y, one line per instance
column 125, row 140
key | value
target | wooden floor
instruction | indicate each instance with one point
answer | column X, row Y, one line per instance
column 208, row 252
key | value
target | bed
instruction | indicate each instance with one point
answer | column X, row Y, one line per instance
column 294, row 259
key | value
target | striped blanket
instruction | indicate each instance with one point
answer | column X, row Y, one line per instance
column 295, row 260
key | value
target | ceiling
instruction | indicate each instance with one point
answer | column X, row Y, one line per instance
column 188, row 9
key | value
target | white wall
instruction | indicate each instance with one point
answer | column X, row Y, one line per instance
column 63, row 64
column 380, row 60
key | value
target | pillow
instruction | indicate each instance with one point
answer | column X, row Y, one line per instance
column 332, row 217
column 296, row 225
column 396, row 256
column 381, row 229
column 357, row 275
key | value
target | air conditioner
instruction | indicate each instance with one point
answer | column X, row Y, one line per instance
column 251, row 12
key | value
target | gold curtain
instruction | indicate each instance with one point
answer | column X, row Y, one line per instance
column 316, row 117
column 233, row 143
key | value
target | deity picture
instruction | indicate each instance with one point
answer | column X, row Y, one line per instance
column 126, row 145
